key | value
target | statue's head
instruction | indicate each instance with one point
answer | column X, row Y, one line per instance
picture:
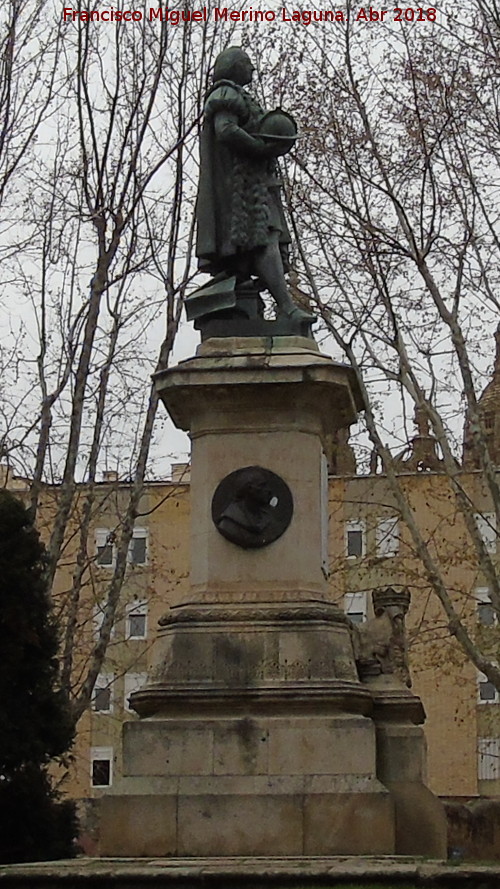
column 392, row 601
column 233, row 64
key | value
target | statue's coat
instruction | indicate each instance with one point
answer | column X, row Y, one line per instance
column 238, row 201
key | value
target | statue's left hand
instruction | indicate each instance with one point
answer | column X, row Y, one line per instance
column 277, row 149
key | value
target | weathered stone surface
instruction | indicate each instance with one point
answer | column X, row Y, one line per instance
column 241, row 365
column 165, row 748
column 400, row 752
column 257, row 745
column 257, row 736
column 420, row 819
column 294, row 873
column 345, row 822
column 474, row 829
column 239, row 825
column 230, row 346
column 241, row 747
column 322, row 746
column 245, row 823
column 250, row 649
column 138, row 825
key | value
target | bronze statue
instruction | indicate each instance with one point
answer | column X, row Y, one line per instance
column 242, row 234
column 252, row 507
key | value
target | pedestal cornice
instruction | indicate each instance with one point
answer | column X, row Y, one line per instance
column 303, row 378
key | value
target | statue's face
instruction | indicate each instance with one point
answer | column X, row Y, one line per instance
column 243, row 70
column 234, row 64
column 396, row 612
column 392, row 611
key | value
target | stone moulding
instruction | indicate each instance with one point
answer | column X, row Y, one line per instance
column 396, row 705
column 304, row 697
column 255, row 378
column 266, row 614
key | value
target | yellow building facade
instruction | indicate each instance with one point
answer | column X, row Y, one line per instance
column 369, row 547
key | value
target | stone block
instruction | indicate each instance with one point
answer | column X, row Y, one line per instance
column 138, row 826
column 166, row 748
column 321, row 746
column 349, row 824
column 307, row 652
column 252, row 647
column 240, row 786
column 240, row 825
column 400, row 752
column 238, row 658
column 192, row 656
column 294, row 559
column 272, row 654
column 241, row 747
column 420, row 821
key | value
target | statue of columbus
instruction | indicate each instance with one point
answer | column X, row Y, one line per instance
column 241, row 227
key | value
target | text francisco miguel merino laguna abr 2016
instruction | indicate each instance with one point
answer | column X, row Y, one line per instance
column 225, row 14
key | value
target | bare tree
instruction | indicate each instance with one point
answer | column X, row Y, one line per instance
column 395, row 202
column 98, row 264
column 31, row 81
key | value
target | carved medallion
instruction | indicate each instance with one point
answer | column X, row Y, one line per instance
column 252, row 507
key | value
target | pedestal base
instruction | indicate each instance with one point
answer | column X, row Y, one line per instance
column 257, row 737
column 252, row 823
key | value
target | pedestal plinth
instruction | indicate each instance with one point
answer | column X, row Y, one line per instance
column 256, row 736
column 419, row 817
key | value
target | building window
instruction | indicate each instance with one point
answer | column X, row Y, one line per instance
column 487, row 692
column 102, row 696
column 133, row 682
column 104, row 541
column 137, row 620
column 488, row 765
column 355, row 539
column 485, row 612
column 387, row 537
column 355, row 607
column 486, row 525
column 101, row 766
column 138, row 550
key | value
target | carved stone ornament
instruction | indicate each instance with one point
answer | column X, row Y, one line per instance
column 252, row 507
column 380, row 644
column 232, row 613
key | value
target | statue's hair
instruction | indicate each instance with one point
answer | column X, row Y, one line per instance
column 227, row 61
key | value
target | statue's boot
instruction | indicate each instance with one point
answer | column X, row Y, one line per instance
column 298, row 314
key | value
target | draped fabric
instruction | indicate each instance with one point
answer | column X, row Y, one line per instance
column 238, row 201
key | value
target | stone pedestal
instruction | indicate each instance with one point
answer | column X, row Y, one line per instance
column 267, row 403
column 256, row 736
column 419, row 817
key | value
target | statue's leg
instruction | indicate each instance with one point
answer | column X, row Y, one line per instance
column 268, row 265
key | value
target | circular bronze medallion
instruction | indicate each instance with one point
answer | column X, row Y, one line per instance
column 252, row 507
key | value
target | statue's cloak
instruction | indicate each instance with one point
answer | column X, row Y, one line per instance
column 238, row 202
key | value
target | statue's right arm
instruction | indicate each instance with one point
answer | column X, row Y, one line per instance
column 228, row 131
column 226, row 108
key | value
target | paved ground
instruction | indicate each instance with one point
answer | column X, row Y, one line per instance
column 128, row 873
